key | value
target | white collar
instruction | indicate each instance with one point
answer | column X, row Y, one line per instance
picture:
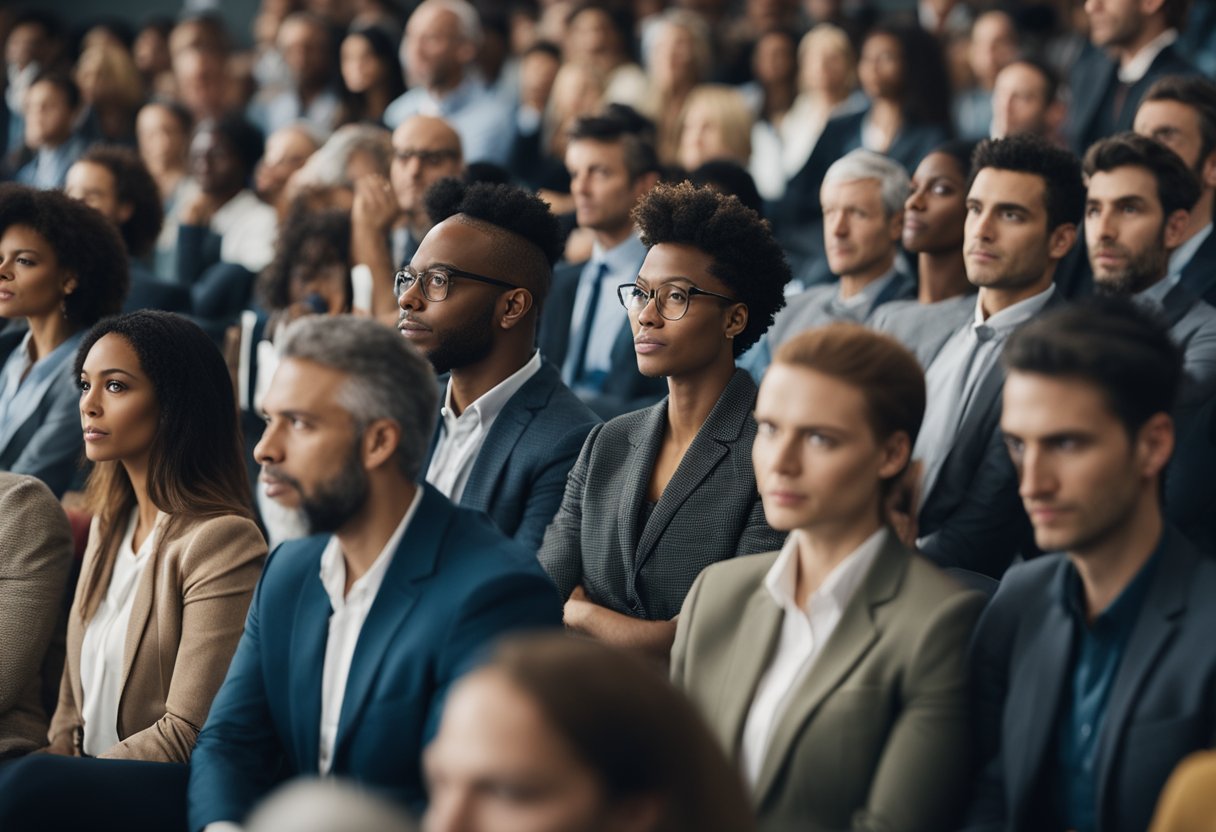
column 1136, row 68
column 1007, row 319
column 839, row 585
column 333, row 564
column 487, row 407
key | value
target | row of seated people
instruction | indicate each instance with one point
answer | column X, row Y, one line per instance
column 350, row 424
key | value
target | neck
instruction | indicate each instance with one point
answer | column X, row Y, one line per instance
column 308, row 90
column 886, row 114
column 364, row 536
column 472, row 382
column 611, row 238
column 442, row 88
column 1108, row 566
column 851, row 284
column 820, row 550
column 48, row 331
column 1153, row 27
column 993, row 300
column 943, row 275
column 375, row 102
column 167, row 179
column 824, row 99
column 137, row 473
column 691, row 398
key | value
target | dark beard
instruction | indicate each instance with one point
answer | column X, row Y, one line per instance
column 1141, row 272
column 334, row 503
column 468, row 344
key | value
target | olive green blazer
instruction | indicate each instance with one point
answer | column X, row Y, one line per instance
column 875, row 735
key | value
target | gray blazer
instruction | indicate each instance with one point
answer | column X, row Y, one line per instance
column 924, row 328
column 35, row 556
column 815, row 307
column 710, row 511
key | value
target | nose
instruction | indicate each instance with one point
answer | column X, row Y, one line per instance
column 269, row 449
column 90, row 406
column 915, row 200
column 1102, row 225
column 648, row 315
column 1036, row 479
column 840, row 224
column 449, row 813
column 982, row 226
column 412, row 298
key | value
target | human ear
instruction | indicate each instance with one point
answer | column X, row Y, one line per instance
column 380, row 442
column 516, row 304
column 736, row 320
column 896, row 450
column 1155, row 444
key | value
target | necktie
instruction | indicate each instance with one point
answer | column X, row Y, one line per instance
column 584, row 340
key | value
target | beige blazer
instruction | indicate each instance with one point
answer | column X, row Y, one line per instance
column 187, row 617
column 35, row 557
column 875, row 735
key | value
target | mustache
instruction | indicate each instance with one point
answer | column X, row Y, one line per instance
column 276, row 473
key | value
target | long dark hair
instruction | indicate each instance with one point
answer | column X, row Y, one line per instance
column 195, row 466
column 385, row 50
column 926, row 80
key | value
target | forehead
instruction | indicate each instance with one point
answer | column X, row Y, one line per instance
column 1039, row 405
column 455, row 242
column 424, row 133
column 667, row 260
column 1021, row 77
column 24, row 237
column 112, row 352
column 289, row 140
column 302, row 385
column 1011, row 187
column 595, row 152
column 1129, row 180
column 793, row 394
column 1156, row 114
column 91, row 175
column 861, row 192
column 938, row 165
column 430, row 20
column 46, row 91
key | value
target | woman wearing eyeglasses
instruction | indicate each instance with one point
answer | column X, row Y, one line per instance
column 659, row 494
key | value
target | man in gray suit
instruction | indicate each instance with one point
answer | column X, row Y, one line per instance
column 509, row 429
column 863, row 197
column 1023, row 206
column 1093, row 670
column 1137, row 211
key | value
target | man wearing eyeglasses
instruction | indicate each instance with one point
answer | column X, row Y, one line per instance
column 389, row 218
column 509, row 429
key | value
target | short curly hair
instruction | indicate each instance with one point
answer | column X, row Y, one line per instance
column 134, row 186
column 330, row 228
column 533, row 239
column 1059, row 169
column 745, row 255
column 84, row 242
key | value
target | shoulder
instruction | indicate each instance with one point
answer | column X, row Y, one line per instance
column 474, row 552
column 934, row 591
column 218, row 542
column 560, row 405
column 566, row 272
column 727, row 583
column 25, row 493
column 1027, row 583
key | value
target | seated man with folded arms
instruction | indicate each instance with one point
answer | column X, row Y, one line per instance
column 1094, row 674
column 509, row 430
column 355, row 634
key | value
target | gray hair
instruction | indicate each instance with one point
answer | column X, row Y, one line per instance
column 466, row 14
column 327, row 167
column 387, row 377
column 866, row 164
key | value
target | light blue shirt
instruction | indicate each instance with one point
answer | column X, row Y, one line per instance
column 483, row 120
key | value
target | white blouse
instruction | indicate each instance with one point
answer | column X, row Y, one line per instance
column 104, row 646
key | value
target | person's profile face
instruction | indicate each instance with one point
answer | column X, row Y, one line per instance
column 603, row 190
column 119, row 412
column 816, row 458
column 1079, row 472
column 215, row 163
column 32, row 283
column 1175, row 125
column 1006, row 242
column 498, row 765
column 48, row 116
column 1019, row 101
column 935, row 211
column 1125, row 229
column 94, row 185
column 858, row 235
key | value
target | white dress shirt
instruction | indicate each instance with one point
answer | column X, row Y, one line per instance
column 247, row 228
column 462, row 436
column 954, row 374
column 350, row 610
column 804, row 632
column 103, row 650
column 1142, row 61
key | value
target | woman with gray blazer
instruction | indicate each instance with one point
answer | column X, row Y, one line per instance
column 659, row 494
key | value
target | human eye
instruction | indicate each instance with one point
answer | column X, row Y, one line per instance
column 675, row 294
column 438, row 279
column 973, row 208
column 765, row 428
column 83, row 385
column 113, row 386
column 1015, row 446
column 818, row 439
column 942, row 189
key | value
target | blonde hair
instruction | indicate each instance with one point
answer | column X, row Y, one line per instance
column 730, row 112
column 832, row 38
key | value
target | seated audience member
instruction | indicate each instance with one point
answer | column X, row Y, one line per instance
column 33, row 42
column 679, row 58
column 598, row 35
column 846, row 637
column 535, row 160
column 438, row 52
column 1026, row 99
column 371, row 74
column 716, row 123
column 202, row 80
column 1136, row 212
column 612, row 164
column 225, row 222
column 35, row 560
column 162, row 132
column 863, row 198
column 1132, row 45
column 992, row 45
column 352, row 152
column 114, row 182
column 903, row 73
column 1093, row 668
column 62, row 268
column 305, row 43
column 1023, row 205
column 171, row 565
column 934, row 215
column 1188, row 802
column 111, row 89
column 51, row 106
column 509, row 430
column 658, row 495
column 287, row 149
column 774, row 85
column 389, row 217
column 421, row 586
column 1180, row 112
column 614, row 745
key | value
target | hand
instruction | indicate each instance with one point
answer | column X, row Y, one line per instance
column 577, row 608
column 375, row 205
column 199, row 211
column 902, row 506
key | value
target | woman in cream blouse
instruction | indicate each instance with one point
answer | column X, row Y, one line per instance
column 833, row 672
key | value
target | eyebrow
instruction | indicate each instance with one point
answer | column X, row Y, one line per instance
column 110, row 372
column 1001, row 206
column 641, row 278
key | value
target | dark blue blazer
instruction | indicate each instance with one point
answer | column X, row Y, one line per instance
column 1199, row 275
column 1161, row 708
column 1093, row 82
column 519, row 476
column 455, row 585
column 626, row 388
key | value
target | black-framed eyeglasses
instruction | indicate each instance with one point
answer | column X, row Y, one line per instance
column 437, row 281
column 670, row 298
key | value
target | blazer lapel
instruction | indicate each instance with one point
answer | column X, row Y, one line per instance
column 636, row 470
column 504, row 434
column 848, row 644
column 1155, row 627
column 309, row 635
column 416, row 557
column 722, row 427
column 23, row 407
column 141, row 605
column 755, row 640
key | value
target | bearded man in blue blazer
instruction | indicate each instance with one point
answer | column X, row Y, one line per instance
column 355, row 634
